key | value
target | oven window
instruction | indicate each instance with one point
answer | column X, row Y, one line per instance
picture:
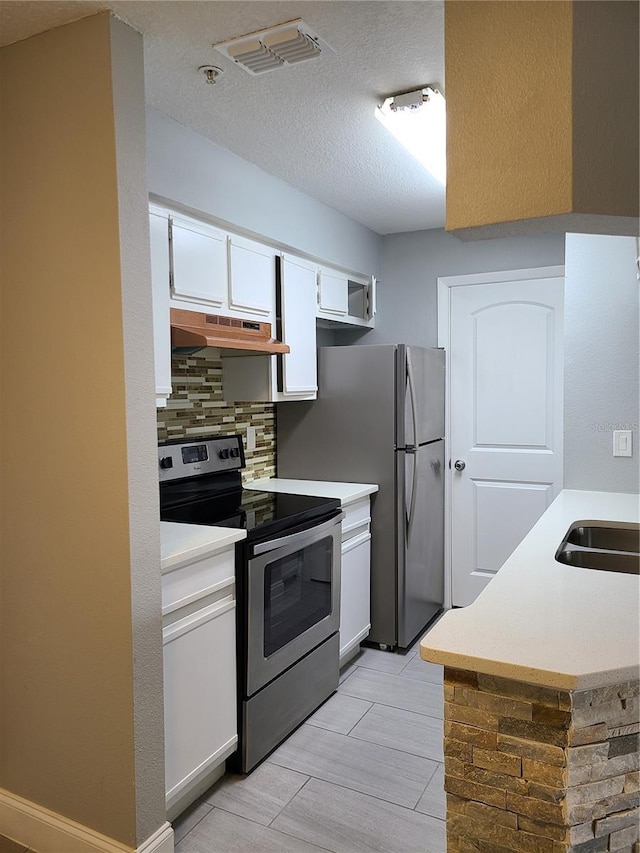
column 297, row 593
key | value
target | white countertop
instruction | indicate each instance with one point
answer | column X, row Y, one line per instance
column 184, row 543
column 546, row 623
column 346, row 493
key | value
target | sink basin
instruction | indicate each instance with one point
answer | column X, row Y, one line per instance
column 609, row 547
column 607, row 538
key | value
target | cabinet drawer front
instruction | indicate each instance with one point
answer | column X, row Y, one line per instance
column 355, row 541
column 357, row 515
column 199, row 697
column 196, row 617
column 184, row 584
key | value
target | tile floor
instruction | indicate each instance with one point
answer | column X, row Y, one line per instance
column 363, row 774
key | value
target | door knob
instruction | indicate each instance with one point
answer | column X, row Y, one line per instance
column 459, row 464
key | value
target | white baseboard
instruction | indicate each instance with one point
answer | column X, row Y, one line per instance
column 31, row 824
column 179, row 804
column 352, row 648
column 160, row 842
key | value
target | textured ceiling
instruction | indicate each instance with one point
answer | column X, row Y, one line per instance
column 312, row 125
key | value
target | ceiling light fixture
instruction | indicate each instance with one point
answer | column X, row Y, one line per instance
column 276, row 47
column 417, row 119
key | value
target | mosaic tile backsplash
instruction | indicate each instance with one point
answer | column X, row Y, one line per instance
column 197, row 408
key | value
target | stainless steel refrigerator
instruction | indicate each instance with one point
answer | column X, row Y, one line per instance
column 379, row 418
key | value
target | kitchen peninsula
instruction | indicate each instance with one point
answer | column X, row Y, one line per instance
column 541, row 697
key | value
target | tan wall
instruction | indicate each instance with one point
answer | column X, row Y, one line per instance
column 605, row 107
column 542, row 112
column 66, row 695
column 508, row 88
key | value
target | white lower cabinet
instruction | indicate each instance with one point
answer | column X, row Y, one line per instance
column 199, row 644
column 355, row 586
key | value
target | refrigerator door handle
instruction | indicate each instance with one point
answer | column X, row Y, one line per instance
column 412, row 450
column 412, row 398
column 409, row 512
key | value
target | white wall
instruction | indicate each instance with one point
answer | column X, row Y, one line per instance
column 185, row 167
column 601, row 361
column 411, row 264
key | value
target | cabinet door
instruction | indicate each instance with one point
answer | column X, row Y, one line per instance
column 298, row 307
column 199, row 695
column 334, row 292
column 355, row 587
column 252, row 277
column 159, row 238
column 199, row 262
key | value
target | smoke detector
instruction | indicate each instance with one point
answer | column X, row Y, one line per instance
column 276, row 47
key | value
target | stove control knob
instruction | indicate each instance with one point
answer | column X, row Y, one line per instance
column 235, row 452
column 224, row 453
column 166, row 462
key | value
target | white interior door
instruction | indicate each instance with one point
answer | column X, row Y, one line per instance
column 506, row 379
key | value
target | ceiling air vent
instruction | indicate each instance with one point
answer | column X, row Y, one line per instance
column 276, row 47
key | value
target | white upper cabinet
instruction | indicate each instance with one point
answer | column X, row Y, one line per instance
column 252, row 278
column 293, row 376
column 298, row 307
column 346, row 300
column 196, row 266
column 333, row 288
column 199, row 262
column 159, row 237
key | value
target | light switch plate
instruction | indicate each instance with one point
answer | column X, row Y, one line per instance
column 251, row 438
column 622, row 442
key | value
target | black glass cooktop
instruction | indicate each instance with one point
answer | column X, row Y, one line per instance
column 261, row 514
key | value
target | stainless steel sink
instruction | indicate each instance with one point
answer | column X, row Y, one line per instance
column 607, row 546
column 608, row 538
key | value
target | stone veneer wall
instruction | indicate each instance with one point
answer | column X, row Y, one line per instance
column 197, row 408
column 535, row 770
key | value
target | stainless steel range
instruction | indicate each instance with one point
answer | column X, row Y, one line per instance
column 288, row 586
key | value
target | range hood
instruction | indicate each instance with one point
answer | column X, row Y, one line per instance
column 192, row 332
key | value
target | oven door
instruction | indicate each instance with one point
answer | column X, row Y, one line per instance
column 293, row 599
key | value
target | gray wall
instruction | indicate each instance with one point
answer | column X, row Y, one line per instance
column 144, row 512
column 185, row 167
column 601, row 361
column 411, row 264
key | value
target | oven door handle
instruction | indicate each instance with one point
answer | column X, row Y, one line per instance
column 318, row 529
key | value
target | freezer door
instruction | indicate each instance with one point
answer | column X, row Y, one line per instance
column 420, row 390
column 420, row 539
